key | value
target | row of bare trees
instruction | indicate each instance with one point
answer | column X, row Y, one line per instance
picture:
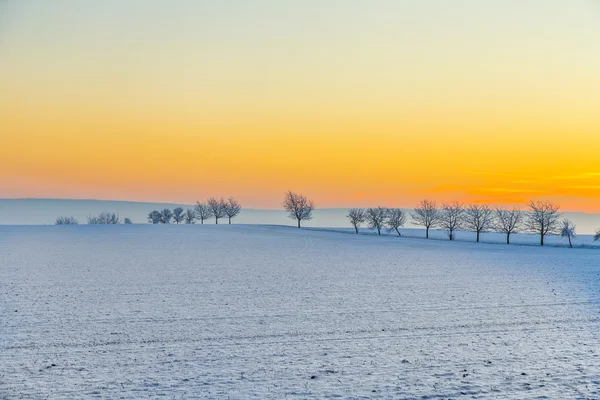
column 104, row 218
column 542, row 218
column 212, row 208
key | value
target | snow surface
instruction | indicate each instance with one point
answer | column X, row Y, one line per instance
column 270, row 312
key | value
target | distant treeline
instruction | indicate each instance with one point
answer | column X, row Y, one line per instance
column 212, row 208
column 542, row 217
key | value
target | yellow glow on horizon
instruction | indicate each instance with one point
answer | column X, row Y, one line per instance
column 373, row 116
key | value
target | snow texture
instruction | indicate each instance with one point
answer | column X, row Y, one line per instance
column 268, row 312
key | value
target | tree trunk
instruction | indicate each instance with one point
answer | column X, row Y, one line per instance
column 298, row 222
column 229, row 220
column 379, row 231
column 508, row 238
column 201, row 221
column 398, row 232
column 427, row 233
column 570, row 244
column 541, row 239
column 451, row 235
column 356, row 228
column 216, row 221
column 477, row 236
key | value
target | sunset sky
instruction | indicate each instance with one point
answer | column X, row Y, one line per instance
column 352, row 102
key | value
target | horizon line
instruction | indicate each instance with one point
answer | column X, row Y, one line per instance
column 249, row 208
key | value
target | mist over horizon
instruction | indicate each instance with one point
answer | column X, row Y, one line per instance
column 45, row 212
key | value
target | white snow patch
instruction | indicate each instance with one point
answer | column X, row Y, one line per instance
column 270, row 312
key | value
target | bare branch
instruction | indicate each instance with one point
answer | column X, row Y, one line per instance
column 376, row 217
column 66, row 221
column 427, row 215
column 232, row 208
column 508, row 221
column 203, row 211
column 396, row 218
column 298, row 207
column 356, row 216
column 154, row 217
column 190, row 216
column 104, row 218
column 451, row 218
column 217, row 208
column 165, row 216
column 568, row 230
column 178, row 215
column 543, row 218
column 478, row 218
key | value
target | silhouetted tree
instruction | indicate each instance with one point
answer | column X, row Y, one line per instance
column 66, row 221
column 165, row 216
column 203, row 212
column 190, row 216
column 395, row 219
column 543, row 218
column 451, row 218
column 427, row 215
column 508, row 221
column 298, row 207
column 479, row 218
column 597, row 236
column 376, row 217
column 104, row 218
column 178, row 215
column 127, row 221
column 232, row 208
column 154, row 217
column 356, row 216
column 568, row 230
column 217, row 208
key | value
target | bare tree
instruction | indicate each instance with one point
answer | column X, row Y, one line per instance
column 451, row 218
column 298, row 207
column 217, row 208
column 203, row 212
column 178, row 215
column 427, row 215
column 508, row 221
column 127, row 221
column 66, row 221
column 232, row 208
column 568, row 230
column 376, row 218
column 154, row 217
column 597, row 236
column 543, row 218
column 165, row 216
column 190, row 216
column 104, row 218
column 396, row 218
column 356, row 216
column 479, row 218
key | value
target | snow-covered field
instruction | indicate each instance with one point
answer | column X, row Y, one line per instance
column 275, row 312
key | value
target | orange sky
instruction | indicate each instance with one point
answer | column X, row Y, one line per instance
column 349, row 103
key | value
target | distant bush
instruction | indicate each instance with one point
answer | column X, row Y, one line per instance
column 166, row 216
column 127, row 221
column 104, row 218
column 66, row 221
column 178, row 215
column 154, row 217
column 597, row 235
